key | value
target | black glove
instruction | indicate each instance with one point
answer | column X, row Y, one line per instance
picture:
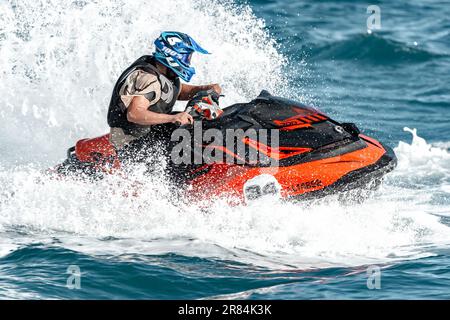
column 204, row 104
column 198, row 97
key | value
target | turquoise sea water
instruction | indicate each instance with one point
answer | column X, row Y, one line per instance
column 58, row 69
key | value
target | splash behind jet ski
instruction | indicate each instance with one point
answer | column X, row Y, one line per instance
column 313, row 156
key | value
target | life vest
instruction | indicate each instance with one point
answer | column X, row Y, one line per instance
column 117, row 113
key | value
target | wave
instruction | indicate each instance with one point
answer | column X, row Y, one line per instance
column 374, row 49
column 399, row 222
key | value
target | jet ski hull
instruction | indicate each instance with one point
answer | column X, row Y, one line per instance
column 315, row 155
column 360, row 169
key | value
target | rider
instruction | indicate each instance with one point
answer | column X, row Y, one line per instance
column 146, row 91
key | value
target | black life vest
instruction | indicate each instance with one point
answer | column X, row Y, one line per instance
column 117, row 113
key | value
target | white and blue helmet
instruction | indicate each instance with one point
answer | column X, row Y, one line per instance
column 174, row 50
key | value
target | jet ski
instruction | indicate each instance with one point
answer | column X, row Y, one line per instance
column 304, row 154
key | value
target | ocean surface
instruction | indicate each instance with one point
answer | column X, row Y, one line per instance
column 64, row 239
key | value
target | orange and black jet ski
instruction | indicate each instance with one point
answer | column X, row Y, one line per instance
column 306, row 153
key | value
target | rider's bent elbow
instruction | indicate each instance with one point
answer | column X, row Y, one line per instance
column 132, row 116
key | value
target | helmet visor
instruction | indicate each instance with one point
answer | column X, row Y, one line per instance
column 186, row 58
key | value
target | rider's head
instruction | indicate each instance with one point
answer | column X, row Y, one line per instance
column 174, row 50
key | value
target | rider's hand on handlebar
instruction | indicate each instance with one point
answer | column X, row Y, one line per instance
column 217, row 88
column 182, row 118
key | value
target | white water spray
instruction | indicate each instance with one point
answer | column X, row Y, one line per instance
column 60, row 60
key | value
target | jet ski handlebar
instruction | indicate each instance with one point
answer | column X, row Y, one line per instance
column 204, row 106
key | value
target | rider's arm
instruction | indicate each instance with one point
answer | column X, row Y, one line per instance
column 188, row 91
column 137, row 112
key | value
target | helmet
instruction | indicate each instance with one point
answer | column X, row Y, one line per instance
column 174, row 50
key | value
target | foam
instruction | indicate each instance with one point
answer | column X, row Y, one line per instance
column 398, row 222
